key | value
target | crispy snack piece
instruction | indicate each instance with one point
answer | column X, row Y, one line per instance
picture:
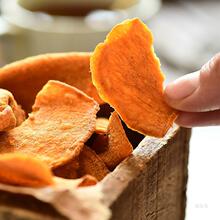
column 101, row 125
column 127, row 75
column 69, row 170
column 88, row 163
column 11, row 114
column 116, row 146
column 100, row 143
column 23, row 170
column 26, row 77
column 91, row 164
column 62, row 120
column 88, row 180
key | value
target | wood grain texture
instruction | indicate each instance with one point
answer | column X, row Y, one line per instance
column 151, row 184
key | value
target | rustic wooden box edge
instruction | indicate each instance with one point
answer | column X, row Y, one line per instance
column 146, row 170
column 146, row 157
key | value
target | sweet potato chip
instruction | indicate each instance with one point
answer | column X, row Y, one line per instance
column 116, row 147
column 88, row 163
column 100, row 143
column 25, row 78
column 127, row 75
column 88, row 180
column 23, row 170
column 101, row 125
column 69, row 170
column 11, row 114
column 63, row 118
column 91, row 164
column 82, row 166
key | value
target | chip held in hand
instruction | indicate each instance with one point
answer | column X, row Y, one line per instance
column 127, row 75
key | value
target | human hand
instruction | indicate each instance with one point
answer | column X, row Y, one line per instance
column 197, row 96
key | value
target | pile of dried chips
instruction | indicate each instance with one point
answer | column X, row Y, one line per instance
column 63, row 136
column 54, row 139
column 26, row 78
column 11, row 114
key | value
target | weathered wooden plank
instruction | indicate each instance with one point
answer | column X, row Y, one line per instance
column 151, row 184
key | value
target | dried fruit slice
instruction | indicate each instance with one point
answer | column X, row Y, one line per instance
column 71, row 184
column 91, row 164
column 23, row 170
column 114, row 147
column 87, row 163
column 88, row 180
column 26, row 77
column 63, row 118
column 69, row 170
column 11, row 114
column 101, row 125
column 127, row 75
column 100, row 143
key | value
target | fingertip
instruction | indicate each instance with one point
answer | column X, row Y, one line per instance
column 173, row 93
column 183, row 87
column 183, row 120
column 195, row 119
column 168, row 94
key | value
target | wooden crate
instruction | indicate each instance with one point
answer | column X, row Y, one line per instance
column 151, row 184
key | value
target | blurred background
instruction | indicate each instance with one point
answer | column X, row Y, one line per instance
column 186, row 34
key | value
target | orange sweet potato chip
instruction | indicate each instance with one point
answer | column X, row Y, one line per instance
column 25, row 78
column 127, row 75
column 83, row 165
column 115, row 146
column 11, row 114
column 101, row 125
column 100, row 143
column 23, row 170
column 69, row 170
column 91, row 164
column 88, row 180
column 63, row 118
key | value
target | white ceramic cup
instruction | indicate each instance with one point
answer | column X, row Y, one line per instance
column 24, row 32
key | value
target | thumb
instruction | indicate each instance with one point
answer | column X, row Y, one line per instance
column 198, row 91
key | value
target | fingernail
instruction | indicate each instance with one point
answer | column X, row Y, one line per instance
column 182, row 87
